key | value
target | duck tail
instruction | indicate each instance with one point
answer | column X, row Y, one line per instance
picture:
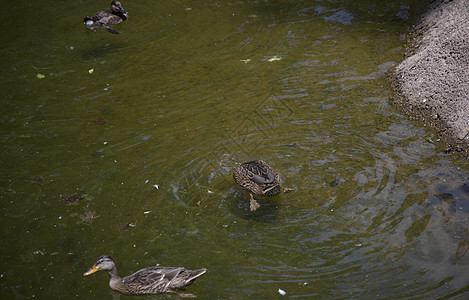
column 196, row 274
column 88, row 21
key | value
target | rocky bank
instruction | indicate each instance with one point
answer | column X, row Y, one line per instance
column 432, row 83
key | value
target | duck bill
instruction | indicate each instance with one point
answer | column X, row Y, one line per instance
column 124, row 12
column 91, row 271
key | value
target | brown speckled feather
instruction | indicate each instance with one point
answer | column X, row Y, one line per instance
column 107, row 18
column 155, row 280
column 258, row 178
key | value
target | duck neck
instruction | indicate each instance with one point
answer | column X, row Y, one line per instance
column 115, row 282
column 121, row 15
column 113, row 275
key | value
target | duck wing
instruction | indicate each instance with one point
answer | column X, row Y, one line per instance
column 185, row 278
column 98, row 17
column 152, row 278
column 261, row 173
column 266, row 178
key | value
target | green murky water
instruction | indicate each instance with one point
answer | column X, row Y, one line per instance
column 148, row 140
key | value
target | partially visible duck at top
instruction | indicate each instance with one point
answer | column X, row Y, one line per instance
column 104, row 18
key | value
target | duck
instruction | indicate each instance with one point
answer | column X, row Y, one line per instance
column 105, row 18
column 259, row 179
column 147, row 281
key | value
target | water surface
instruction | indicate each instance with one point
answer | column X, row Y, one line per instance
column 126, row 144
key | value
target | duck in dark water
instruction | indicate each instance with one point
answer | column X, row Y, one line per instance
column 148, row 281
column 104, row 18
column 259, row 179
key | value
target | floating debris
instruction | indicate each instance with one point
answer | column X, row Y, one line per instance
column 274, row 58
column 335, row 182
column 246, row 60
column 40, row 76
column 99, row 121
column 38, row 179
column 88, row 217
column 282, row 292
column 127, row 225
column 156, row 186
column 291, row 145
column 91, row 71
column 71, row 198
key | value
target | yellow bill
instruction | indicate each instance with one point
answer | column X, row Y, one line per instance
column 91, row 271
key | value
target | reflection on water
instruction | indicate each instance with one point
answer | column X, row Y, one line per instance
column 134, row 158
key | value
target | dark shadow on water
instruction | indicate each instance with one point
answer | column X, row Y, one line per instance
column 101, row 50
column 238, row 204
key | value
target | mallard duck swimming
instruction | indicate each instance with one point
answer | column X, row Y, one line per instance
column 148, row 281
column 104, row 18
column 258, row 178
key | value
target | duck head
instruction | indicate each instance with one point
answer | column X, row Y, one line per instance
column 117, row 9
column 103, row 263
